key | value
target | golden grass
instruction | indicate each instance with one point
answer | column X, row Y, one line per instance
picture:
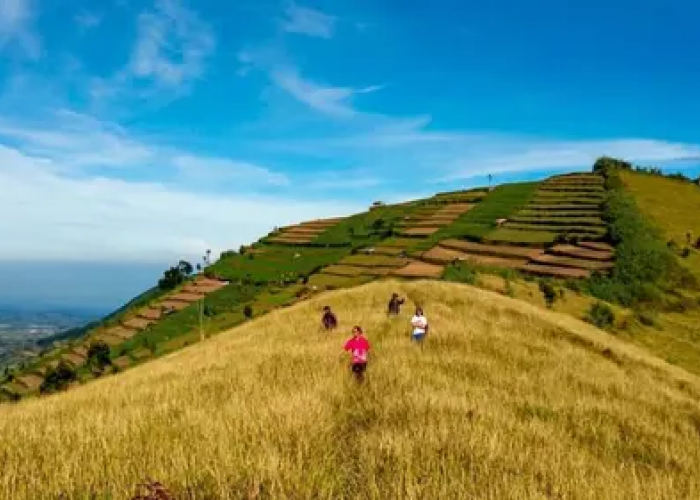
column 504, row 401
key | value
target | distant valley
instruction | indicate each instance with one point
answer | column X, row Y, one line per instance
column 21, row 329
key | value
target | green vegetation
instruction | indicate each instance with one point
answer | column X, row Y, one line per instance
column 58, row 378
column 644, row 265
column 478, row 222
column 548, row 292
column 364, row 228
column 176, row 275
column 98, row 357
column 515, row 236
column 601, row 315
column 277, row 264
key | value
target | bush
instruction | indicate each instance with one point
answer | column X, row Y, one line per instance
column 459, row 272
column 685, row 253
column 58, row 378
column 601, row 315
column 548, row 292
column 98, row 356
column 646, row 318
column 248, row 311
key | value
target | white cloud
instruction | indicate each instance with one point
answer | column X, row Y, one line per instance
column 224, row 170
column 77, row 140
column 56, row 217
column 172, row 45
column 16, row 17
column 74, row 143
column 310, row 22
column 334, row 101
column 88, row 20
column 171, row 50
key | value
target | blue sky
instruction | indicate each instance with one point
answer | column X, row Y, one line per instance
column 150, row 130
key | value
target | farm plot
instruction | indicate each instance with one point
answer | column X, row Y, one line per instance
column 366, row 228
column 562, row 206
column 306, row 232
column 374, row 261
column 277, row 264
column 419, row 270
column 491, row 250
column 328, row 281
column 481, row 219
column 557, row 260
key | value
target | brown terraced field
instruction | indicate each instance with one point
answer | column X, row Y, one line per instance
column 419, row 270
column 592, row 265
column 556, row 271
column 303, row 233
column 30, row 381
column 581, row 252
column 496, row 250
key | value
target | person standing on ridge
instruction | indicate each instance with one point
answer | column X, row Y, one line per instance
column 420, row 325
column 329, row 320
column 395, row 303
column 358, row 347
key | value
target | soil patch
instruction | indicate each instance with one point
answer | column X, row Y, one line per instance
column 419, row 270
column 495, row 250
column 558, row 272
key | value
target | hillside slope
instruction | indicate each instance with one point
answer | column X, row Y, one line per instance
column 504, row 401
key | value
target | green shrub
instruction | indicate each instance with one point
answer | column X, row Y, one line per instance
column 601, row 315
column 98, row 357
column 646, row 318
column 548, row 292
column 459, row 272
column 58, row 378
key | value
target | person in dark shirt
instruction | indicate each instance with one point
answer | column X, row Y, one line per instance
column 395, row 305
column 329, row 320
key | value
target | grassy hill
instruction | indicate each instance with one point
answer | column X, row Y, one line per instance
column 577, row 239
column 506, row 400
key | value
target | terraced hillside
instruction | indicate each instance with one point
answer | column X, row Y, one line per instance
column 545, row 229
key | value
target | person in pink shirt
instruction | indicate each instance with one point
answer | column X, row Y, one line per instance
column 358, row 346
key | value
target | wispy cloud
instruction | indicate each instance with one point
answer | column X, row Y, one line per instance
column 16, row 17
column 310, row 22
column 72, row 144
column 334, row 101
column 172, row 44
column 170, row 51
column 224, row 170
column 88, row 20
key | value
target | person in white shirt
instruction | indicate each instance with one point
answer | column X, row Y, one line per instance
column 420, row 325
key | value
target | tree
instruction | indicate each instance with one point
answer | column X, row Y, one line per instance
column 98, row 356
column 378, row 224
column 58, row 378
column 185, row 267
column 248, row 311
column 175, row 275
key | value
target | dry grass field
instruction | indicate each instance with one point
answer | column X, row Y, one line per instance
column 504, row 401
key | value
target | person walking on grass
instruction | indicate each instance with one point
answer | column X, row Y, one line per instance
column 358, row 347
column 420, row 325
column 329, row 320
column 394, row 308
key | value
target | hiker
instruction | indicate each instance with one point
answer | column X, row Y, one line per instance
column 329, row 321
column 358, row 346
column 395, row 304
column 420, row 325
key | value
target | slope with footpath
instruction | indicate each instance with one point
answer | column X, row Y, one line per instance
column 505, row 400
